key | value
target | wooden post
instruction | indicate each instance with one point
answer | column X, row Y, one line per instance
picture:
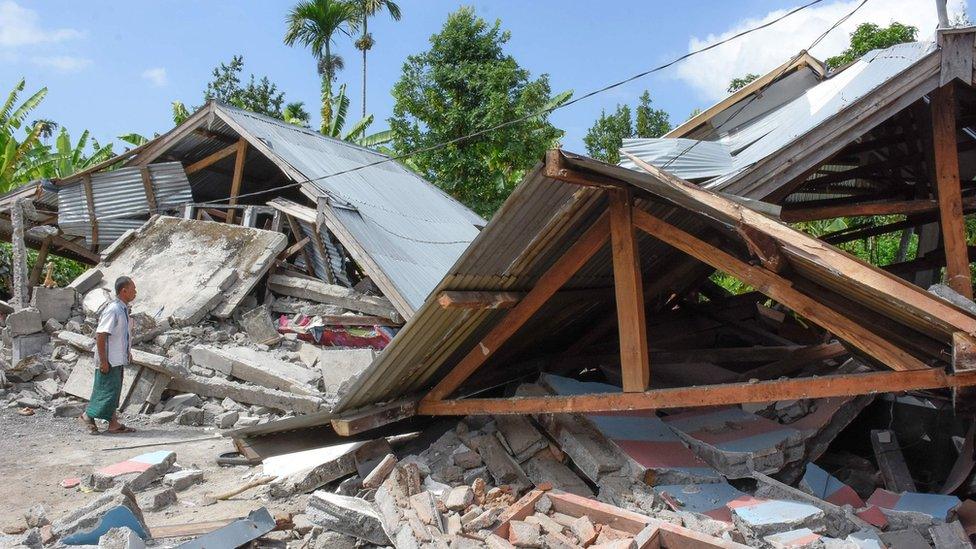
column 148, row 187
column 634, row 364
column 35, row 274
column 235, row 186
column 947, row 185
column 248, row 217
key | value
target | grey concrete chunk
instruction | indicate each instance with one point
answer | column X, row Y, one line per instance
column 25, row 322
column 459, row 498
column 348, row 515
column 86, row 281
column 257, row 367
column 259, row 326
column 520, row 436
column 54, row 303
column 181, row 480
column 226, row 420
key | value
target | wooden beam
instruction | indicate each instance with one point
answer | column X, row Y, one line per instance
column 297, row 231
column 366, row 419
column 90, row 201
column 764, row 248
column 478, row 300
column 796, row 361
column 706, row 395
column 293, row 249
column 213, row 158
column 235, row 187
column 855, row 209
column 782, row 290
column 627, row 279
column 35, row 274
column 148, row 187
column 891, row 462
column 548, row 283
column 958, row 276
column 556, row 169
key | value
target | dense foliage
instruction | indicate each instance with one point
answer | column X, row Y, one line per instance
column 869, row 36
column 466, row 83
column 604, row 139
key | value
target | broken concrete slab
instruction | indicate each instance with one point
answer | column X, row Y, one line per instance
column 257, row 367
column 54, row 303
column 520, row 437
column 949, row 536
column 803, row 538
column 839, row 521
column 380, row 472
column 909, row 509
column 157, row 500
column 823, row 485
column 82, row 378
column 86, row 281
column 757, row 518
column 339, row 367
column 301, row 472
column 315, row 290
column 737, row 443
column 136, row 472
column 238, row 533
column 543, row 467
column 653, row 452
column 25, row 322
column 259, row 326
column 503, row 468
column 712, row 499
column 248, row 394
column 349, row 515
column 181, row 480
column 201, row 255
column 117, row 508
column 121, row 538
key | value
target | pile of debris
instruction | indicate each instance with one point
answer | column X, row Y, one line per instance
column 205, row 352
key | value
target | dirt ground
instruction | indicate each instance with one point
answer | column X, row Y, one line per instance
column 37, row 452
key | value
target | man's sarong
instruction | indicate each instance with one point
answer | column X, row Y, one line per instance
column 105, row 394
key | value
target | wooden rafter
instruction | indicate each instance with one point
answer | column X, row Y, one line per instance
column 558, row 274
column 90, row 201
column 235, row 186
column 958, row 276
column 708, row 395
column 627, row 280
column 213, row 158
column 780, row 289
column 147, row 187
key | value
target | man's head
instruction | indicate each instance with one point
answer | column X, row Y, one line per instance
column 125, row 289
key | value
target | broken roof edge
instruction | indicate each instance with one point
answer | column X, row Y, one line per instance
column 801, row 60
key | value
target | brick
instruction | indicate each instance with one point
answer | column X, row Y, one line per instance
column 524, row 534
column 583, row 529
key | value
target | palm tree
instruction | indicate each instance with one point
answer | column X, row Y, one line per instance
column 296, row 114
column 314, row 24
column 367, row 9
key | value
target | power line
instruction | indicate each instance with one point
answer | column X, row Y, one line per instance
column 536, row 114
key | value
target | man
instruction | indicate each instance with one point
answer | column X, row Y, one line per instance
column 112, row 352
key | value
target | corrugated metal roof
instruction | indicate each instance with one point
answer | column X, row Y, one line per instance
column 762, row 136
column 412, row 230
column 119, row 199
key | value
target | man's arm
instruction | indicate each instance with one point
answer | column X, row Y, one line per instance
column 101, row 342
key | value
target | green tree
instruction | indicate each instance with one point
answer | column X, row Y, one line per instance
column 604, row 139
column 19, row 158
column 365, row 42
column 296, row 114
column 257, row 95
column 463, row 84
column 869, row 36
column 315, row 24
column 738, row 83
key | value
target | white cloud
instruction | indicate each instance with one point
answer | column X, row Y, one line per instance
column 759, row 52
column 62, row 63
column 20, row 26
column 155, row 76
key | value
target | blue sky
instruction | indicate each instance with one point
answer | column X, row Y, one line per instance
column 115, row 67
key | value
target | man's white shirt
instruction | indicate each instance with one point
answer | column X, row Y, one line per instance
column 114, row 321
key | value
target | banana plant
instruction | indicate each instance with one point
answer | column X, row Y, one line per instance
column 17, row 161
column 357, row 133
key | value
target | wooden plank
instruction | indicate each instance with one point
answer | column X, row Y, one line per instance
column 366, row 419
column 781, row 290
column 764, row 248
column 235, row 186
column 293, row 249
column 553, row 279
column 522, row 508
column 943, row 105
column 891, row 462
column 627, row 280
column 212, row 158
column 35, row 274
column 880, row 288
column 890, row 207
column 707, row 395
column 556, row 169
column 297, row 232
column 478, row 300
column 148, row 188
column 964, row 360
column 957, row 57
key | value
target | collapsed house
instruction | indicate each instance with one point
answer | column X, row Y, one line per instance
column 612, row 394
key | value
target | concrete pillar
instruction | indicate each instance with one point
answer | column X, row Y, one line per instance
column 19, row 256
